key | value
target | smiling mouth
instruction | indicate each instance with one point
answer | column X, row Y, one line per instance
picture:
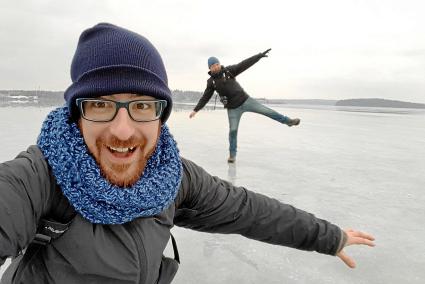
column 121, row 151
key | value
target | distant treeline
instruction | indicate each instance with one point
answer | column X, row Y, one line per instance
column 49, row 98
column 186, row 96
column 378, row 103
column 31, row 98
column 55, row 98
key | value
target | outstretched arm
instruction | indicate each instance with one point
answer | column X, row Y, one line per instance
column 209, row 91
column 237, row 69
column 209, row 204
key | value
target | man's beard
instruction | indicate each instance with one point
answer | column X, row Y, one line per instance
column 123, row 174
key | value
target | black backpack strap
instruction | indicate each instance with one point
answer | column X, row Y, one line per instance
column 176, row 251
column 24, row 258
column 49, row 230
column 228, row 74
column 46, row 232
column 57, row 221
column 215, row 101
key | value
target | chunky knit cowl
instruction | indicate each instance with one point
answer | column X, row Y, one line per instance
column 94, row 197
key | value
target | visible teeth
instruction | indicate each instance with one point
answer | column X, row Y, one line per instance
column 122, row 150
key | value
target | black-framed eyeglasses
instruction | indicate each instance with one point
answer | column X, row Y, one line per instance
column 102, row 110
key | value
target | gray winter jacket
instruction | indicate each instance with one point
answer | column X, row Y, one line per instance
column 133, row 252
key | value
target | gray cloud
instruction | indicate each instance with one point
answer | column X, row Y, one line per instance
column 312, row 56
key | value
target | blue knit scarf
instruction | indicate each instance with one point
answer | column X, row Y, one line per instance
column 79, row 177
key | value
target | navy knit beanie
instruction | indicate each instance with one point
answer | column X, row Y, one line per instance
column 212, row 60
column 111, row 60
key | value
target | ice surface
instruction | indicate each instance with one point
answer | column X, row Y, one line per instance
column 359, row 169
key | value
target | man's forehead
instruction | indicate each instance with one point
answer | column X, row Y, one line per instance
column 125, row 96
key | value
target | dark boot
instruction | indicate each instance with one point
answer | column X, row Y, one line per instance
column 293, row 121
column 231, row 159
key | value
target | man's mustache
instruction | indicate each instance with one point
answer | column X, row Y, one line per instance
column 115, row 142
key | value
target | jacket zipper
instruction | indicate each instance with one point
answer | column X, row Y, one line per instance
column 140, row 250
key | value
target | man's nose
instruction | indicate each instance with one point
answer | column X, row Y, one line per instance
column 122, row 126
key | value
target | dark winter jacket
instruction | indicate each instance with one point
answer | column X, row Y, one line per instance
column 231, row 93
column 133, row 252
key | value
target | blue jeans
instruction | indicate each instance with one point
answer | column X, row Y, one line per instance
column 250, row 105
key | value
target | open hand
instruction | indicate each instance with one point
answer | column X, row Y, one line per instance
column 355, row 238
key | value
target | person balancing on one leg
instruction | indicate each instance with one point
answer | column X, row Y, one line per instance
column 234, row 98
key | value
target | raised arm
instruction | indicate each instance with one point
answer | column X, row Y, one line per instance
column 236, row 69
column 25, row 187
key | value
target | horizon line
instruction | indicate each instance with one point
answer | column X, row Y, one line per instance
column 259, row 98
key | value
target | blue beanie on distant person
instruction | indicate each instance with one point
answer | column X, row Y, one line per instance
column 111, row 60
column 212, row 60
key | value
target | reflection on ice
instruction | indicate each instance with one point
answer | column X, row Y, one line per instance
column 231, row 173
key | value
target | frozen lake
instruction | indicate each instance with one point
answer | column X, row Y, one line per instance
column 364, row 170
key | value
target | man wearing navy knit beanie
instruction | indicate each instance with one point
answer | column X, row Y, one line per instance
column 95, row 199
column 234, row 98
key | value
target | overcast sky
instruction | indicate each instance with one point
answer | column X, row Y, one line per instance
column 327, row 49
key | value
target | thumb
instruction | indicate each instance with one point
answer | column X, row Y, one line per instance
column 346, row 259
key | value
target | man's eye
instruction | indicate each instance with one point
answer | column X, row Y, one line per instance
column 99, row 104
column 142, row 106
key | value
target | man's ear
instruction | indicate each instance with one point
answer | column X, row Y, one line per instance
column 158, row 133
column 78, row 122
column 159, row 130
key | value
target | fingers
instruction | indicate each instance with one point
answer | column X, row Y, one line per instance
column 346, row 259
column 362, row 241
column 355, row 238
column 359, row 238
column 363, row 235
